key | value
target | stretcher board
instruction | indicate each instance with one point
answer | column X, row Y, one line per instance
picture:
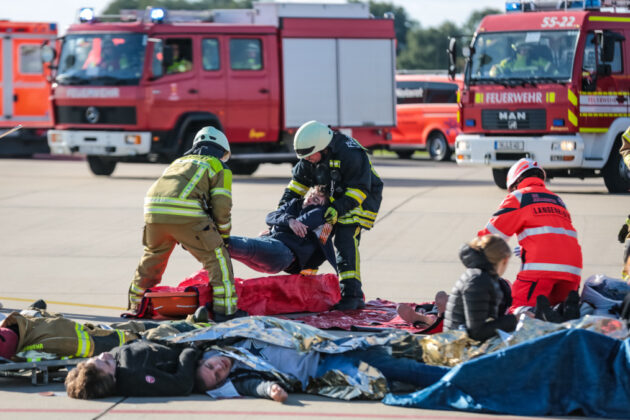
column 9, row 368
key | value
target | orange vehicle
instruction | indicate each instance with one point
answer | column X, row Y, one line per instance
column 426, row 110
column 24, row 89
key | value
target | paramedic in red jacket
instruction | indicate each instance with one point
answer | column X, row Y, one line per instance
column 550, row 253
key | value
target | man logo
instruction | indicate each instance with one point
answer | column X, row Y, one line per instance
column 512, row 118
column 91, row 115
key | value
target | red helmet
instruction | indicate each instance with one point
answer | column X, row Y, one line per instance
column 519, row 168
column 8, row 342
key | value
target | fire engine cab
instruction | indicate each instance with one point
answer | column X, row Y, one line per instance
column 549, row 80
column 140, row 87
column 24, row 89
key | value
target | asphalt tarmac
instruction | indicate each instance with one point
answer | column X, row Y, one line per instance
column 74, row 239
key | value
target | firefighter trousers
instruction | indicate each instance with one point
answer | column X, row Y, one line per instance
column 204, row 242
column 346, row 241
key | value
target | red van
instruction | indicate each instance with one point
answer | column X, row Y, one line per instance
column 427, row 115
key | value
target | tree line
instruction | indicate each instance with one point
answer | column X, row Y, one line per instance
column 418, row 47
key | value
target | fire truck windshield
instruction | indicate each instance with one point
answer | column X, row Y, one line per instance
column 522, row 57
column 101, row 59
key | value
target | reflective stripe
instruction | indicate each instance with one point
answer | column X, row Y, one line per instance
column 221, row 191
column 174, row 201
column 335, row 163
column 563, row 268
column 225, row 303
column 193, row 182
column 38, row 346
column 309, row 271
column 297, row 188
column 220, row 290
column 121, row 337
column 358, row 195
column 546, row 229
column 225, row 226
column 136, row 289
column 518, row 195
column 179, row 212
column 348, row 275
column 83, row 342
column 496, row 231
column 228, row 289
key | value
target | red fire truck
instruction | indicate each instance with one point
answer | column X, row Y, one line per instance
column 138, row 89
column 549, row 83
column 24, row 90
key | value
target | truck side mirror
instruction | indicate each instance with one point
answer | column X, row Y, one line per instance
column 608, row 45
column 604, row 70
column 452, row 57
column 48, row 53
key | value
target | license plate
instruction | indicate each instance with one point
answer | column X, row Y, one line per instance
column 513, row 145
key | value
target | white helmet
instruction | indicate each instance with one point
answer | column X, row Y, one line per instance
column 311, row 137
column 213, row 135
column 519, row 168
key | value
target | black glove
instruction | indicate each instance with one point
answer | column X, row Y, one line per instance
column 226, row 242
column 623, row 232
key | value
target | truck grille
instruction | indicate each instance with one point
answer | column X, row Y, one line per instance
column 103, row 115
column 520, row 119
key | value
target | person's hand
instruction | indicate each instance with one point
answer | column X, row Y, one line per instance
column 331, row 215
column 623, row 232
column 265, row 232
column 298, row 228
column 277, row 393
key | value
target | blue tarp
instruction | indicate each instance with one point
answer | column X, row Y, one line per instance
column 569, row 372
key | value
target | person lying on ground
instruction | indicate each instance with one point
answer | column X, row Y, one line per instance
column 297, row 239
column 218, row 370
column 139, row 369
column 36, row 329
column 480, row 298
column 424, row 316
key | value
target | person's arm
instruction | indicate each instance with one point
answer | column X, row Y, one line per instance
column 258, row 388
column 313, row 218
column 221, row 200
column 153, row 382
column 357, row 175
column 625, row 147
column 506, row 221
column 301, row 181
column 283, row 214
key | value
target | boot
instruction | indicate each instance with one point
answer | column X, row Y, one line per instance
column 351, row 296
column 544, row 312
column 217, row 317
column 572, row 306
column 201, row 315
column 38, row 304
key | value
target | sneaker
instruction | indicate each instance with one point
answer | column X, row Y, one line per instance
column 349, row 304
column 38, row 304
column 217, row 317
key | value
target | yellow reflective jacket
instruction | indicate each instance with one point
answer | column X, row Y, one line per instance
column 625, row 147
column 55, row 334
column 192, row 187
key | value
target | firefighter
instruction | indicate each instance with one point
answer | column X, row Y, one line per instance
column 550, row 253
column 625, row 229
column 191, row 204
column 625, row 147
column 331, row 158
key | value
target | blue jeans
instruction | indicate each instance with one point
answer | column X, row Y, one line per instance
column 263, row 253
column 399, row 369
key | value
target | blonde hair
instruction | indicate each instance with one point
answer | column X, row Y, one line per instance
column 493, row 247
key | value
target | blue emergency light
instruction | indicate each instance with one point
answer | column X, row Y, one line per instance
column 470, row 123
column 157, row 15
column 86, row 14
column 558, row 122
column 512, row 6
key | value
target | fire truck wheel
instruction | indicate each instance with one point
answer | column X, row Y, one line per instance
column 500, row 177
column 100, row 166
column 616, row 174
column 243, row 168
column 438, row 147
column 404, row 154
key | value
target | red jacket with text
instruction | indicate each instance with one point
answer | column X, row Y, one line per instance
column 542, row 223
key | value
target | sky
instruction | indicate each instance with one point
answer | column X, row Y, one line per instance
column 63, row 12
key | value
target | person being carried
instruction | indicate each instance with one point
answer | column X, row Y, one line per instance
column 191, row 204
column 480, row 298
column 297, row 240
column 138, row 369
column 219, row 370
column 550, row 253
column 332, row 158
